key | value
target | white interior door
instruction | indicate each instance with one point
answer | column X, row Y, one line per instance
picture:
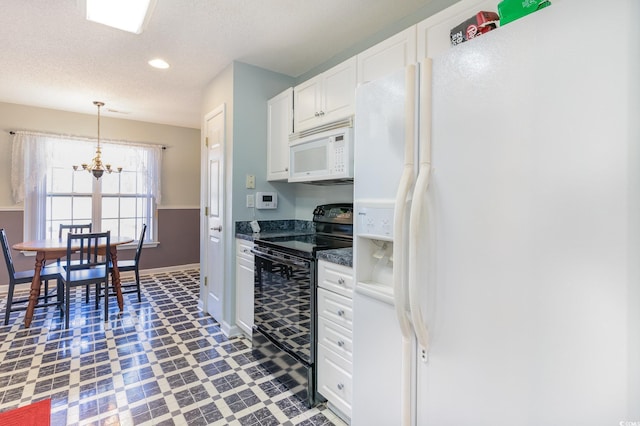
column 215, row 239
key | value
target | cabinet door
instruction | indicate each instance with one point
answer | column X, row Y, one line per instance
column 434, row 32
column 307, row 104
column 384, row 58
column 244, row 287
column 335, row 380
column 339, row 91
column 279, row 127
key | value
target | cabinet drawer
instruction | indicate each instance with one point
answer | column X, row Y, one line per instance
column 334, row 379
column 336, row 308
column 336, row 338
column 336, row 278
column 243, row 249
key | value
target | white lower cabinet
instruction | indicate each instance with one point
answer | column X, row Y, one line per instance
column 335, row 336
column 244, row 285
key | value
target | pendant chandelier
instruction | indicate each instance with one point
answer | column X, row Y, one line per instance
column 96, row 168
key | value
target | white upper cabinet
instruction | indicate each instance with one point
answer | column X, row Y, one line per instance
column 279, row 127
column 327, row 97
column 388, row 56
column 434, row 32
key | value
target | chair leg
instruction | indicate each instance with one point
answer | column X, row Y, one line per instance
column 46, row 291
column 138, row 283
column 98, row 291
column 67, row 305
column 106, row 300
column 9, row 302
column 86, row 293
column 60, row 295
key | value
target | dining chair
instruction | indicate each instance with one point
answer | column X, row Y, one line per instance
column 127, row 266
column 75, row 228
column 50, row 272
column 91, row 265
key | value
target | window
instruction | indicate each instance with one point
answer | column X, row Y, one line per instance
column 54, row 193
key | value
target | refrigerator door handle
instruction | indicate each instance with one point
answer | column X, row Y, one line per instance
column 399, row 294
column 399, row 276
column 399, row 213
column 417, row 319
column 418, row 201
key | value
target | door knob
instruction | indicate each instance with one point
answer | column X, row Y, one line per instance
column 217, row 228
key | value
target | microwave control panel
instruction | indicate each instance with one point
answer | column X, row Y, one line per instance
column 339, row 154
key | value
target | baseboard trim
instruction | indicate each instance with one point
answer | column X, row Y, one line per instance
column 230, row 330
column 4, row 287
column 170, row 268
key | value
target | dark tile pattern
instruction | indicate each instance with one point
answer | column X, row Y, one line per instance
column 160, row 362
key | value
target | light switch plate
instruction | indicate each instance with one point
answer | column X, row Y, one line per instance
column 251, row 182
column 251, row 200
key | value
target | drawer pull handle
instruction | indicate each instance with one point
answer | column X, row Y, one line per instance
column 340, row 313
column 341, row 281
column 340, row 386
column 341, row 343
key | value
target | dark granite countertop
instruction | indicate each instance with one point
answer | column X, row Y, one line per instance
column 342, row 256
column 288, row 228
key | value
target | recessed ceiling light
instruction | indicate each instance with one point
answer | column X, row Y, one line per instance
column 127, row 15
column 159, row 63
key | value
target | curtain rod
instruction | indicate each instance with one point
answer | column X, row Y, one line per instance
column 12, row 132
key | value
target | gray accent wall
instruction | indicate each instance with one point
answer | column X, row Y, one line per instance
column 177, row 234
column 252, row 88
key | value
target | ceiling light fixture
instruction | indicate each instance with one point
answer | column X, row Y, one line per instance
column 96, row 168
column 159, row 63
column 126, row 15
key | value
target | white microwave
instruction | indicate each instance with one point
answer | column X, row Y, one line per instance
column 326, row 156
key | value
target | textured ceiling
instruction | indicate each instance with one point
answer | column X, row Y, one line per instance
column 53, row 58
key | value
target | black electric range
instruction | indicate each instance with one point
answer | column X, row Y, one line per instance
column 284, row 331
column 333, row 230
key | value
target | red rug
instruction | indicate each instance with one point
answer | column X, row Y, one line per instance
column 36, row 414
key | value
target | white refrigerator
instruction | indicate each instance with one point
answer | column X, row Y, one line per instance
column 497, row 232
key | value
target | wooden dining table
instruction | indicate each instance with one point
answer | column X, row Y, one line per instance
column 57, row 248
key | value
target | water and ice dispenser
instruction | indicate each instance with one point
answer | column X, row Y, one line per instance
column 374, row 233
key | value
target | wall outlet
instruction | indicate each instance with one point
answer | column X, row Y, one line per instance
column 251, row 200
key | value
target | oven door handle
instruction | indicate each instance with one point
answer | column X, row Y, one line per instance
column 288, row 262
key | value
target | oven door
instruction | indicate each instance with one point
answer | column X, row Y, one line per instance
column 283, row 301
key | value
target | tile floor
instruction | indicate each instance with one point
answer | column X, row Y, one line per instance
column 161, row 362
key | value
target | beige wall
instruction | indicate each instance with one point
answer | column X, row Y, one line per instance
column 178, row 231
column 180, row 163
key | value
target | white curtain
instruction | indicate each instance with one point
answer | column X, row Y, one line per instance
column 34, row 153
column 30, row 158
